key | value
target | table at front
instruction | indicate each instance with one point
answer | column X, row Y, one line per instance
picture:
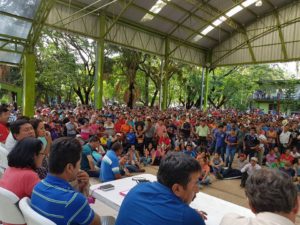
column 215, row 208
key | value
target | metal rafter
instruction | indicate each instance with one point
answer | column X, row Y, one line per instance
column 131, row 24
column 127, row 5
column 239, row 28
column 236, row 25
column 270, row 30
column 188, row 15
column 247, row 9
column 280, row 33
column 196, row 16
column 169, row 20
column 39, row 20
column 16, row 16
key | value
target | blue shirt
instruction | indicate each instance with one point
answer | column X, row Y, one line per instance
column 55, row 199
column 190, row 153
column 220, row 139
column 109, row 166
column 86, row 151
column 153, row 203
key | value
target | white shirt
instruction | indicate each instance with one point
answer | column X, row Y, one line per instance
column 264, row 218
column 284, row 137
column 10, row 142
column 250, row 169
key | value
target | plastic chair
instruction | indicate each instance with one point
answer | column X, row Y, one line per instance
column 31, row 216
column 3, row 159
column 107, row 220
column 9, row 211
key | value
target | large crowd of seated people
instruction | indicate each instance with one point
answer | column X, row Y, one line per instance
column 117, row 141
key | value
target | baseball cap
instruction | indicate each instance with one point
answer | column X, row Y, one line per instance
column 254, row 159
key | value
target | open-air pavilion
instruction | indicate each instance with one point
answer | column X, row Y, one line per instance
column 206, row 33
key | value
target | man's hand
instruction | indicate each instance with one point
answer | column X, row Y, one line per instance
column 202, row 214
column 48, row 137
column 83, row 180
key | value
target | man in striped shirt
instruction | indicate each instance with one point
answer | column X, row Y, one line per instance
column 54, row 197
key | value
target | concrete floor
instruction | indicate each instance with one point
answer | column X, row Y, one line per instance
column 228, row 190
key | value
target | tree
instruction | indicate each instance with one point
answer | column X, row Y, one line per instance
column 129, row 61
column 71, row 59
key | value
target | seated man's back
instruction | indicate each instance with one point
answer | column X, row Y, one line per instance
column 55, row 199
column 156, row 204
column 165, row 202
column 110, row 164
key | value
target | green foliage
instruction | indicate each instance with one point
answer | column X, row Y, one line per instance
column 66, row 68
column 234, row 86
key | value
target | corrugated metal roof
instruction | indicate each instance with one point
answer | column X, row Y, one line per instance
column 195, row 29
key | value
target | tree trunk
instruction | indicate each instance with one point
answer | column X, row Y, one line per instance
column 153, row 98
column 147, row 91
column 131, row 95
column 79, row 94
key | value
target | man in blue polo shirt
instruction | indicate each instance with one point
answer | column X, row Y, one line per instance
column 110, row 167
column 166, row 201
column 54, row 197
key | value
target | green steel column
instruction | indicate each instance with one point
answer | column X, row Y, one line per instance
column 206, row 89
column 29, row 84
column 207, row 67
column 19, row 98
column 166, row 76
column 100, row 65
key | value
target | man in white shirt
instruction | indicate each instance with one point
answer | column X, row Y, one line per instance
column 285, row 139
column 249, row 169
column 272, row 197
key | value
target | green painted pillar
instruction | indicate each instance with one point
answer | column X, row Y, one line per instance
column 19, row 97
column 165, row 79
column 165, row 86
column 206, row 88
column 29, row 84
column 98, row 94
column 207, row 68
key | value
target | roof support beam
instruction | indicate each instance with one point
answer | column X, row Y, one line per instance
column 280, row 33
column 270, row 30
column 249, row 46
column 169, row 20
column 118, row 17
column 16, row 16
column 39, row 20
column 196, row 16
column 283, row 47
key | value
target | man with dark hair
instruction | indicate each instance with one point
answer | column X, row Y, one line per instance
column 110, row 166
column 87, row 161
column 19, row 129
column 272, row 196
column 54, row 197
column 167, row 200
column 251, row 143
column 4, row 116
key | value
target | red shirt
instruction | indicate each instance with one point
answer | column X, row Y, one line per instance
column 288, row 158
column 4, row 131
column 164, row 140
column 19, row 181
